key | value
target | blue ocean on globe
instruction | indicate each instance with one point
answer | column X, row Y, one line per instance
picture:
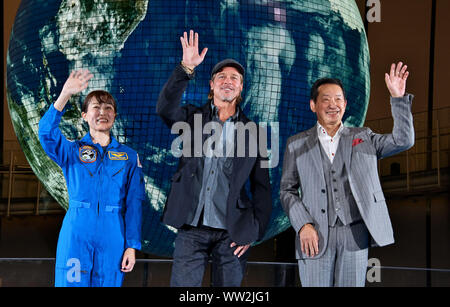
column 132, row 47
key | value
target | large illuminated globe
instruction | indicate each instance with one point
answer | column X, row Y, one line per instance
column 131, row 47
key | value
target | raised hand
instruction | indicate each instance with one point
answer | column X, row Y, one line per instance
column 396, row 79
column 77, row 82
column 191, row 57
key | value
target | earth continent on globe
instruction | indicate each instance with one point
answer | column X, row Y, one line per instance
column 132, row 47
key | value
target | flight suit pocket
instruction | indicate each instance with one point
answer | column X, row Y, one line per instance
column 113, row 208
column 118, row 172
column 79, row 204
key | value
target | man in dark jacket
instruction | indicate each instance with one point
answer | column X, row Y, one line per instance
column 208, row 201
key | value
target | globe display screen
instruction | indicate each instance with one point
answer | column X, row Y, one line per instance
column 132, row 47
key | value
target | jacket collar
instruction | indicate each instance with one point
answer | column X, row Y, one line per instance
column 207, row 111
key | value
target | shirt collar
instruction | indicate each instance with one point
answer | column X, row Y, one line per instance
column 215, row 112
column 321, row 132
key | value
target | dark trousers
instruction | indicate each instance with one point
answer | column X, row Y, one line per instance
column 194, row 247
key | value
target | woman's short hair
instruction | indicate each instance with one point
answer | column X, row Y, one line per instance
column 102, row 97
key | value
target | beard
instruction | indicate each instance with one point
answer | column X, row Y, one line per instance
column 228, row 99
column 225, row 98
column 231, row 97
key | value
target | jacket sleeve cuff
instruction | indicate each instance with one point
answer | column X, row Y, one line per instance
column 180, row 69
column 299, row 218
column 57, row 112
column 133, row 244
column 406, row 98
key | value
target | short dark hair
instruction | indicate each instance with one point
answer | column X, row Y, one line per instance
column 227, row 63
column 102, row 97
column 319, row 82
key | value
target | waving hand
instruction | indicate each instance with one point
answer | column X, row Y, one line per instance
column 396, row 79
column 191, row 57
column 77, row 82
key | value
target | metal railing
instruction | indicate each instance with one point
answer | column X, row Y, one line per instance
column 411, row 169
column 28, row 272
column 33, row 203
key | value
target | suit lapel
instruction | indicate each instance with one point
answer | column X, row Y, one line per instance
column 346, row 146
column 313, row 145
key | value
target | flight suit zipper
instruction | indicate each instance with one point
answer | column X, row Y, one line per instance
column 101, row 180
column 118, row 171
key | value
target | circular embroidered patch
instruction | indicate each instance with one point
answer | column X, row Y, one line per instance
column 88, row 154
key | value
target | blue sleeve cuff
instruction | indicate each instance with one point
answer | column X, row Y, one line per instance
column 57, row 112
column 133, row 244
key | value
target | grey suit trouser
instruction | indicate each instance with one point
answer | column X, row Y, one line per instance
column 344, row 263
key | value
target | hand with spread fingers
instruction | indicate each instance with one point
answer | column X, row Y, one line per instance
column 77, row 82
column 396, row 79
column 191, row 57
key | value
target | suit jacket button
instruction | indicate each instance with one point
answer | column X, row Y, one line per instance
column 323, row 191
column 323, row 210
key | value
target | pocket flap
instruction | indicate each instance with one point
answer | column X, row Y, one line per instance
column 379, row 196
column 78, row 204
column 243, row 204
column 112, row 208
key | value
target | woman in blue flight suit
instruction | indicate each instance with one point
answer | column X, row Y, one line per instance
column 102, row 227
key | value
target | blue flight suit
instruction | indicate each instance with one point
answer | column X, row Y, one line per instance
column 106, row 191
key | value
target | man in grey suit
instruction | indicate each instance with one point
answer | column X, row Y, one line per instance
column 330, row 188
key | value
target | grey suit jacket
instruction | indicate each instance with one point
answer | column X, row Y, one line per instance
column 303, row 189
